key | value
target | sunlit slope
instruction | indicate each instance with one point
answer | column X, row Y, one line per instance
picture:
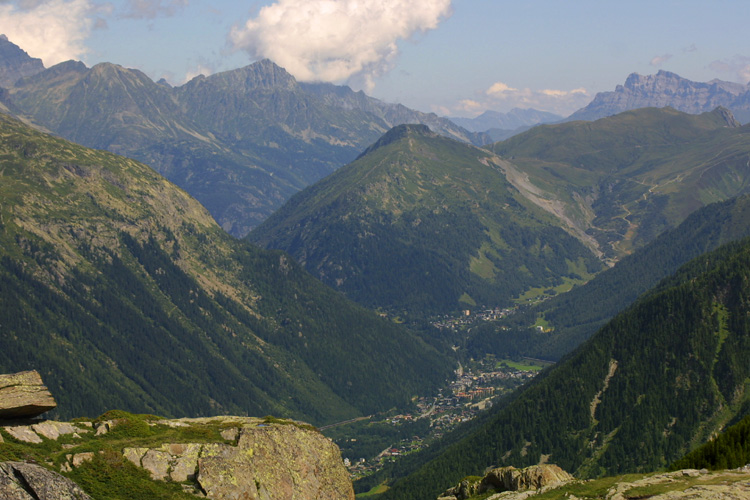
column 626, row 178
column 423, row 224
column 122, row 290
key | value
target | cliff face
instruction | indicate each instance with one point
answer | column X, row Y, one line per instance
column 216, row 458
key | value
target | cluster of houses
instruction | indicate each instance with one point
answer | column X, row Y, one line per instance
column 464, row 398
column 467, row 317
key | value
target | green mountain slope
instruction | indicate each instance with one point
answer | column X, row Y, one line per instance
column 623, row 180
column 728, row 450
column 241, row 141
column 123, row 292
column 423, row 224
column 574, row 316
column 656, row 381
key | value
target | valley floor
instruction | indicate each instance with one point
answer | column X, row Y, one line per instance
column 367, row 445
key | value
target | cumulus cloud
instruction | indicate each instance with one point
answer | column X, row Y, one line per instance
column 500, row 88
column 151, row 9
column 738, row 68
column 336, row 40
column 659, row 60
column 201, row 69
column 53, row 30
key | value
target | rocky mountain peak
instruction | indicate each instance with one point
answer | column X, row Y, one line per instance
column 15, row 63
column 263, row 74
column 728, row 117
column 668, row 89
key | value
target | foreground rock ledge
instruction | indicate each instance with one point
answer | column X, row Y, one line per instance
column 24, row 395
column 22, row 481
column 283, row 460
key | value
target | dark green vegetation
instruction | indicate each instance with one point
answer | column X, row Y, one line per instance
column 729, row 450
column 622, row 180
column 241, row 142
column 421, row 224
column 652, row 384
column 575, row 316
column 124, row 293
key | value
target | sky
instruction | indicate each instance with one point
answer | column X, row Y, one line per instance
column 451, row 57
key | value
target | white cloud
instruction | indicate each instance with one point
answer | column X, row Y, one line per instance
column 151, row 9
column 200, row 69
column 336, row 40
column 659, row 60
column 502, row 97
column 500, row 88
column 744, row 74
column 738, row 67
column 54, row 30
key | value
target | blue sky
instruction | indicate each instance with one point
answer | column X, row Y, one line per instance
column 453, row 57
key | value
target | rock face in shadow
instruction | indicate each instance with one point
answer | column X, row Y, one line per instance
column 24, row 395
column 15, row 63
column 22, row 481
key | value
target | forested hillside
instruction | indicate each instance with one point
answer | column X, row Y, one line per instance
column 573, row 317
column 124, row 293
column 421, row 225
column 652, row 384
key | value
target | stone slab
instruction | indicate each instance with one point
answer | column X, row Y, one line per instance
column 24, row 395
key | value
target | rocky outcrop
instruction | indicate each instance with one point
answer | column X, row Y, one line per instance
column 22, row 481
column 24, row 395
column 234, row 458
column 669, row 89
column 530, row 478
column 263, row 459
column 689, row 484
column 502, row 479
column 279, row 460
column 49, row 429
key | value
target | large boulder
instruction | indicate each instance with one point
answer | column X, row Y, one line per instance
column 278, row 459
column 530, row 478
column 24, row 395
column 502, row 479
column 22, row 481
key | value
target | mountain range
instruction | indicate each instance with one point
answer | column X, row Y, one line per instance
column 423, row 224
column 669, row 89
column 241, row 142
column 619, row 181
column 124, row 293
column 500, row 126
